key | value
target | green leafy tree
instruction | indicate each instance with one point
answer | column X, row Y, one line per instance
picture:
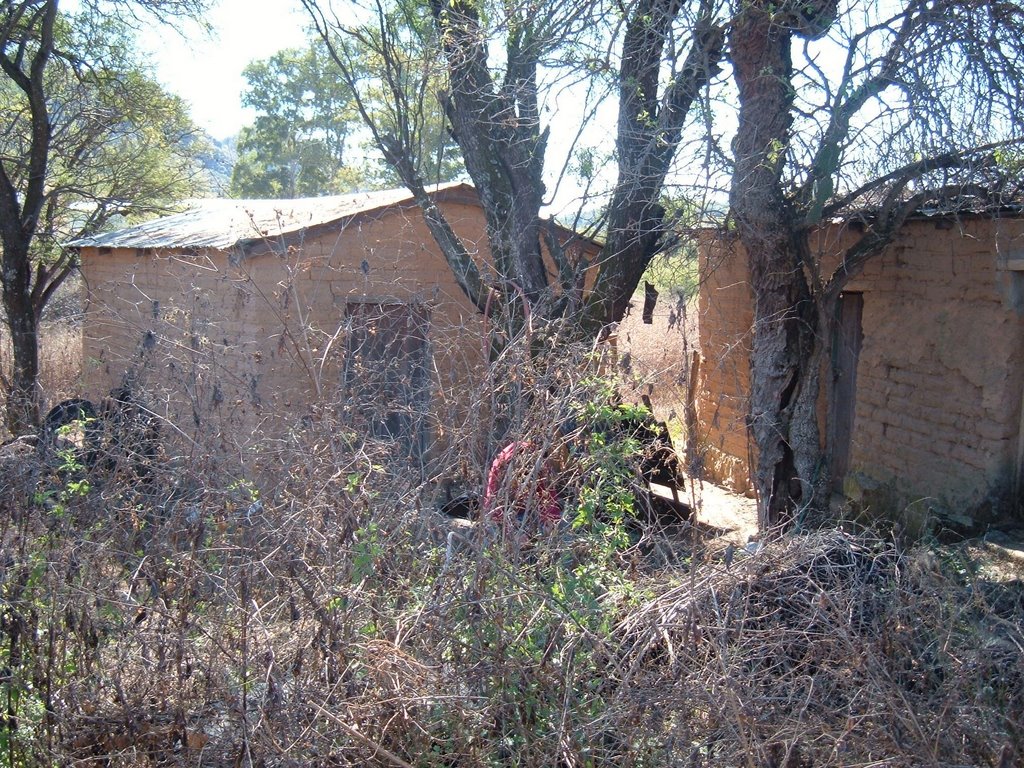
column 297, row 146
column 87, row 140
column 392, row 70
column 307, row 139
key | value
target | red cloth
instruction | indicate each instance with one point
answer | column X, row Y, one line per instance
column 515, row 498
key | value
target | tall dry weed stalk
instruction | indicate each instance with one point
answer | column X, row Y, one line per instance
column 295, row 598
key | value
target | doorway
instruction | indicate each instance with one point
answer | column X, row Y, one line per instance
column 385, row 375
column 846, row 343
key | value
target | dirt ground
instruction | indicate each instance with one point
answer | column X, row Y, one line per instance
column 653, row 358
column 653, row 362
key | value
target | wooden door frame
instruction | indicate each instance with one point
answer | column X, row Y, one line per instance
column 847, row 338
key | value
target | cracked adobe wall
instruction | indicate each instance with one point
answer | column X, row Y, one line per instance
column 940, row 376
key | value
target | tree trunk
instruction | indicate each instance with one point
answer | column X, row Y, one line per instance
column 22, row 413
column 497, row 128
column 635, row 230
column 785, row 365
column 649, row 127
column 787, row 350
column 19, row 217
column 23, row 397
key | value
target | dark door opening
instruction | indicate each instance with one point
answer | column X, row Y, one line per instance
column 846, row 343
column 386, row 382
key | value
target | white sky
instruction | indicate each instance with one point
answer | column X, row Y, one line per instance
column 206, row 69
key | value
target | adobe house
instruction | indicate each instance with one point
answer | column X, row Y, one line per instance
column 239, row 316
column 928, row 365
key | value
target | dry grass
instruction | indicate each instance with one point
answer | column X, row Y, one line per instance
column 654, row 358
column 833, row 649
column 60, row 344
column 302, row 603
column 60, row 360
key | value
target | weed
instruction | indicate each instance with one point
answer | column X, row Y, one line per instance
column 296, row 600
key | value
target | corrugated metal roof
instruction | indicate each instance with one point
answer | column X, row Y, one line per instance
column 223, row 223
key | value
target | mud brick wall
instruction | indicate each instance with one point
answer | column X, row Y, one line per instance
column 726, row 316
column 940, row 377
column 240, row 344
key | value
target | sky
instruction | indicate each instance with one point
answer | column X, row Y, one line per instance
column 206, row 69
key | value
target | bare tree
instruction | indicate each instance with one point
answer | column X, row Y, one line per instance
column 42, row 138
column 868, row 109
column 841, row 108
column 670, row 51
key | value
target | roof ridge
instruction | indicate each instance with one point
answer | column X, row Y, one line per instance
column 224, row 223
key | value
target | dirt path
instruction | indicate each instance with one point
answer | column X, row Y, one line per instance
column 733, row 517
column 652, row 361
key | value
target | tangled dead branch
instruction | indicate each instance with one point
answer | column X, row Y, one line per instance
column 310, row 606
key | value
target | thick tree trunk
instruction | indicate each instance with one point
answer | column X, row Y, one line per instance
column 649, row 127
column 22, row 412
column 19, row 215
column 785, row 365
column 787, row 353
column 635, row 231
column 23, row 397
column 497, row 127
column 22, row 315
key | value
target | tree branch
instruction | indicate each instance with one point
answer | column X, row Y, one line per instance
column 397, row 151
column 906, row 173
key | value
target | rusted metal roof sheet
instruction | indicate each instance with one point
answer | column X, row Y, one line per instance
column 224, row 224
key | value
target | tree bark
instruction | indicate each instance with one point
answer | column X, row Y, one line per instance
column 23, row 396
column 787, row 349
column 497, row 128
column 19, row 218
column 649, row 128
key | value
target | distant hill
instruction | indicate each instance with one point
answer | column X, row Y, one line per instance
column 218, row 159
